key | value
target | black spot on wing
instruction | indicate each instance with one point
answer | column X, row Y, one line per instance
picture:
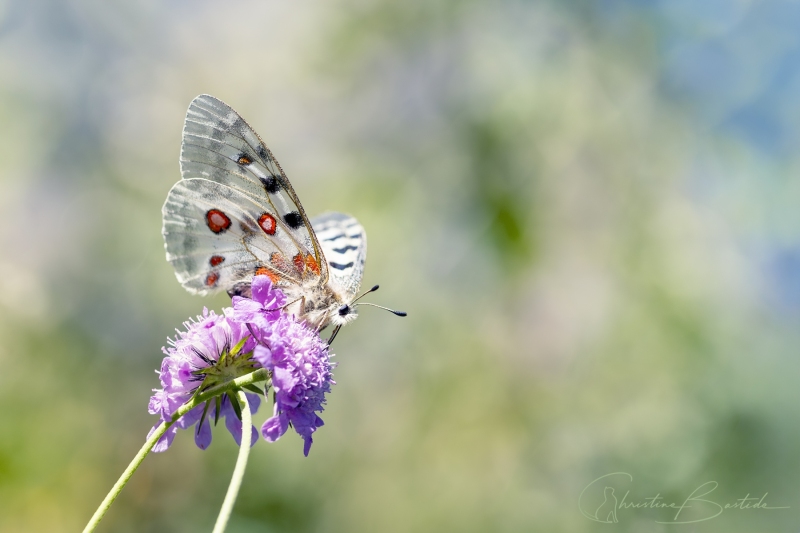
column 332, row 237
column 263, row 154
column 345, row 249
column 271, row 184
column 339, row 266
column 293, row 219
column 239, row 126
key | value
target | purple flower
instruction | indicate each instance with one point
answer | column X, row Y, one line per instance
column 301, row 373
column 201, row 355
column 215, row 349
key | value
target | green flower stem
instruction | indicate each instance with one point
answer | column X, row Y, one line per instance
column 241, row 464
column 248, row 379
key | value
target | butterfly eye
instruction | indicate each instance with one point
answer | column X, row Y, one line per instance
column 344, row 310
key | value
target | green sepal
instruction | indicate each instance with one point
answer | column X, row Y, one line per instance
column 217, row 410
column 253, row 388
column 200, row 387
column 235, row 404
column 203, row 417
column 239, row 345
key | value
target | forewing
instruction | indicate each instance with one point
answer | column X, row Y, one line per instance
column 344, row 243
column 217, row 236
column 218, row 145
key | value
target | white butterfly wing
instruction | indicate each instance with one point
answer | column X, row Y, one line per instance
column 219, row 145
column 234, row 213
column 344, row 244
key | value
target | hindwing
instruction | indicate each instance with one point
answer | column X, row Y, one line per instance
column 344, row 244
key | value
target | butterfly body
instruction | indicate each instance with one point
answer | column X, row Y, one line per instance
column 234, row 215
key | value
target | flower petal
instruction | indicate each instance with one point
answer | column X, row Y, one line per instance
column 261, row 289
column 165, row 441
column 275, row 427
column 202, row 435
column 254, row 401
column 234, row 425
column 263, row 355
column 283, row 379
column 245, row 310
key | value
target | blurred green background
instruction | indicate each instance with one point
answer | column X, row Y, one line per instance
column 589, row 210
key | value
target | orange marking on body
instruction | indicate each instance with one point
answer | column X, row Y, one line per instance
column 264, row 271
column 312, row 264
column 267, row 223
column 211, row 279
column 215, row 260
column 217, row 220
column 299, row 263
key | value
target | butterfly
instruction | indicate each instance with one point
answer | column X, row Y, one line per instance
column 234, row 215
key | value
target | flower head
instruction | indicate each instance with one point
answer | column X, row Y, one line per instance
column 216, row 349
column 212, row 350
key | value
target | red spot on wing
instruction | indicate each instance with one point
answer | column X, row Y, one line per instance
column 212, row 279
column 215, row 260
column 217, row 220
column 267, row 223
column 299, row 262
column 312, row 264
column 264, row 271
column 278, row 261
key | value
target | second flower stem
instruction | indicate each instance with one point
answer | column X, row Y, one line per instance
column 241, row 464
column 253, row 377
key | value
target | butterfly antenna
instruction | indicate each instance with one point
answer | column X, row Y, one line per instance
column 398, row 313
column 373, row 289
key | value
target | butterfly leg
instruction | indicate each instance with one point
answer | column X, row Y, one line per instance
column 333, row 335
column 286, row 306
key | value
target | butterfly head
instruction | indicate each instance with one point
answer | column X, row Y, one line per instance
column 344, row 315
